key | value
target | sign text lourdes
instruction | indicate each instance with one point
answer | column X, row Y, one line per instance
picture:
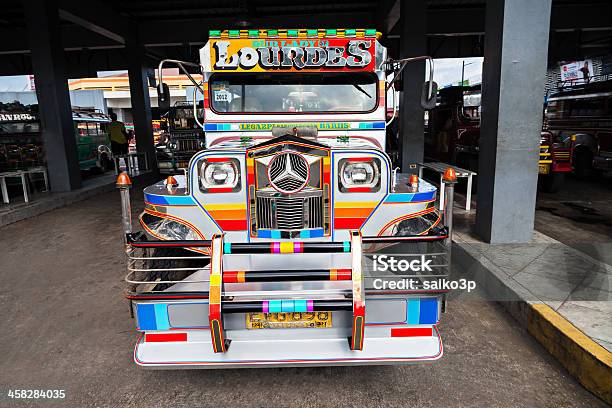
column 260, row 54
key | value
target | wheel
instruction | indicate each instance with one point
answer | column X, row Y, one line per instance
column 106, row 163
column 583, row 163
column 169, row 264
column 553, row 182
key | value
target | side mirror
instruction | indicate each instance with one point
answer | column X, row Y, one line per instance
column 428, row 99
column 163, row 97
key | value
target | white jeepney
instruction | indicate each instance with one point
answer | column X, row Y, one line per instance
column 262, row 253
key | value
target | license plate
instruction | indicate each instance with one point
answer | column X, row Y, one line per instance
column 315, row 320
column 543, row 168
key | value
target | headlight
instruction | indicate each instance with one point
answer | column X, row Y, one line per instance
column 360, row 174
column 219, row 173
column 172, row 145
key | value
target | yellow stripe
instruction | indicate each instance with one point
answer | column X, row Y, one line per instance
column 355, row 204
column 213, row 207
column 286, row 247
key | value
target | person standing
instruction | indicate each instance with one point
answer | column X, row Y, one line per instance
column 118, row 135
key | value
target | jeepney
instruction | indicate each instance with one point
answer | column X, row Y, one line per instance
column 579, row 117
column 181, row 140
column 452, row 136
column 264, row 252
column 92, row 139
column 21, row 144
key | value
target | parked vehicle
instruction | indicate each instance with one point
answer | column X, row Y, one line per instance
column 453, row 135
column 21, row 144
column 92, row 138
column 261, row 255
column 182, row 139
column 580, row 117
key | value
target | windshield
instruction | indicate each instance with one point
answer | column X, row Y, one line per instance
column 19, row 127
column 182, row 119
column 293, row 93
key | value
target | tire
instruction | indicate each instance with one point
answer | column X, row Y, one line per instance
column 553, row 182
column 583, row 163
column 171, row 264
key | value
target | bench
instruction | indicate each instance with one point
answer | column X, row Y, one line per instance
column 24, row 175
column 440, row 168
column 131, row 161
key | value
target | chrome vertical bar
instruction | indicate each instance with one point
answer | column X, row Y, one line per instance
column 124, row 184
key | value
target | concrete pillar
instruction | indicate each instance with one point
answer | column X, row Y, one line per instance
column 516, row 45
column 413, row 42
column 141, row 103
column 58, row 134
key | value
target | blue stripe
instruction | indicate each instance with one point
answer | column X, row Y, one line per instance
column 169, row 200
column 274, row 306
column 410, row 197
column 300, row 305
column 146, row 317
column 287, row 306
column 227, row 247
column 428, row 313
column 413, row 311
column 161, row 316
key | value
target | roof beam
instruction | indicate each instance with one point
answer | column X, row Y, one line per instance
column 96, row 17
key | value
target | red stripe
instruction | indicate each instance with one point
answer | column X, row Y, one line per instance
column 344, row 274
column 230, row 276
column 232, row 225
column 359, row 159
column 412, row 332
column 359, row 189
column 217, row 159
column 220, row 190
column 348, row 223
column 162, row 337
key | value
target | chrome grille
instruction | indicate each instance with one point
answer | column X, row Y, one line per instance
column 187, row 144
column 290, row 213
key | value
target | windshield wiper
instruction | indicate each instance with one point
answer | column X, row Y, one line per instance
column 362, row 90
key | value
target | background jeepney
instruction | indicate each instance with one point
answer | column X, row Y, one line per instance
column 452, row 136
column 580, row 117
column 261, row 255
column 181, row 139
column 21, row 144
column 92, row 139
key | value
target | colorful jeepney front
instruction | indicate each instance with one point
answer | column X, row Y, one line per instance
column 284, row 211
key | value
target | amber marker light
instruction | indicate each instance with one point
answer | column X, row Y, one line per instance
column 450, row 176
column 123, row 181
column 414, row 181
column 171, row 181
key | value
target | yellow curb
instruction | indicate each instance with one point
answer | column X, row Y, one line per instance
column 586, row 360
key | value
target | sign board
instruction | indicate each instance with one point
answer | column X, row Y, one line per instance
column 287, row 54
column 18, row 117
column 577, row 71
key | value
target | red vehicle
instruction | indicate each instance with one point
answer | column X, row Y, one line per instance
column 580, row 117
column 453, row 135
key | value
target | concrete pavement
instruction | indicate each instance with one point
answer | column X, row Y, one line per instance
column 65, row 325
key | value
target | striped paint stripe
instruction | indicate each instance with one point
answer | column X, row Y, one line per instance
column 169, row 200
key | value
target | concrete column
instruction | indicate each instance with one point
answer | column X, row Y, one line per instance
column 413, row 42
column 58, row 134
column 514, row 71
column 141, row 103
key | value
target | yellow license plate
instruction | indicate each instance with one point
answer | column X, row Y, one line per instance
column 543, row 168
column 316, row 320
